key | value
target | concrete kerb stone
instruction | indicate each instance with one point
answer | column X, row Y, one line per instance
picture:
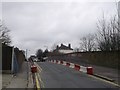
column 103, row 77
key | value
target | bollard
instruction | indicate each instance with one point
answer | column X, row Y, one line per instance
column 33, row 69
column 90, row 70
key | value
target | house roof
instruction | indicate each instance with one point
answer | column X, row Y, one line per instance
column 63, row 47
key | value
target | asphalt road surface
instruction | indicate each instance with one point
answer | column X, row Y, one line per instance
column 60, row 76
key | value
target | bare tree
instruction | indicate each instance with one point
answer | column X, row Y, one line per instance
column 108, row 34
column 87, row 43
column 76, row 49
column 4, row 34
column 54, row 46
column 103, row 40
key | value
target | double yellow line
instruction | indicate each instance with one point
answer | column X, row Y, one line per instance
column 39, row 82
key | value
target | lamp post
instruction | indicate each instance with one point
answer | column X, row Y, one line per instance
column 27, row 65
column 26, row 53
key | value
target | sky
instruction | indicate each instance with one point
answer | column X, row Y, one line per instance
column 36, row 25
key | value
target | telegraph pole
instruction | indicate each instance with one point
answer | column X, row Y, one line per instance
column 26, row 53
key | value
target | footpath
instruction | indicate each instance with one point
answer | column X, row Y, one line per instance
column 21, row 80
column 107, row 73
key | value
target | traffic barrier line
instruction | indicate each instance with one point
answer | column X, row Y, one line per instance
column 88, row 70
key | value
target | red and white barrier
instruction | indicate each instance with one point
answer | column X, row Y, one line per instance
column 83, row 69
column 72, row 65
column 33, row 69
column 88, row 70
column 58, row 62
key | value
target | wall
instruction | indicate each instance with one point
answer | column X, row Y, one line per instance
column 65, row 51
column 6, row 58
column 108, row 59
column 19, row 57
column 12, row 59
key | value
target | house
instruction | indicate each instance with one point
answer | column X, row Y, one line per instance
column 64, row 49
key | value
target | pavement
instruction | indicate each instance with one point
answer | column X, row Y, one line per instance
column 105, row 72
column 21, row 80
column 110, row 73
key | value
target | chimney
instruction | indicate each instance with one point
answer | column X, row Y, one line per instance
column 69, row 45
column 57, row 46
column 61, row 44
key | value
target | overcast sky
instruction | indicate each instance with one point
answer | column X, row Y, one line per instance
column 37, row 25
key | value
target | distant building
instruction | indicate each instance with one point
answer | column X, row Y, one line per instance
column 64, row 49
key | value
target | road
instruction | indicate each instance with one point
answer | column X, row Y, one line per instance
column 59, row 76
